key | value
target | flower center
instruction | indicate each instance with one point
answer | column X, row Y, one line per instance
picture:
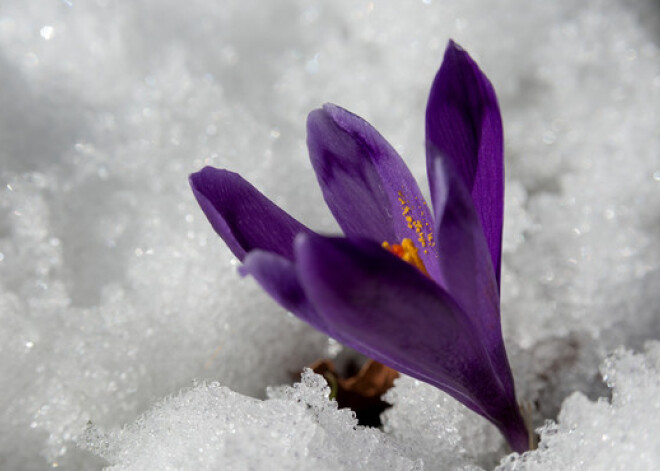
column 407, row 252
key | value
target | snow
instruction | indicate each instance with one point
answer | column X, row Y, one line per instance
column 211, row 427
column 128, row 339
column 619, row 434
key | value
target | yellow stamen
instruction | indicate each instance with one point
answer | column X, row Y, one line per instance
column 407, row 252
column 416, row 220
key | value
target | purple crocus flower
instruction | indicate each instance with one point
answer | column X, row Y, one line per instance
column 412, row 287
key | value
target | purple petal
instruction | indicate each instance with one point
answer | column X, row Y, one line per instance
column 278, row 277
column 463, row 123
column 465, row 264
column 388, row 310
column 366, row 184
column 242, row 216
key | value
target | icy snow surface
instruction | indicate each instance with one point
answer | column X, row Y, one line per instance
column 116, row 295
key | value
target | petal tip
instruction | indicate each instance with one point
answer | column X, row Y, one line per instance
column 193, row 179
column 337, row 114
column 313, row 115
column 302, row 244
column 207, row 175
column 455, row 54
column 327, row 109
column 318, row 121
column 453, row 46
column 244, row 269
column 331, row 108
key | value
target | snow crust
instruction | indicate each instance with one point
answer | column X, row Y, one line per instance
column 115, row 294
column 616, row 434
column 297, row 427
column 210, row 427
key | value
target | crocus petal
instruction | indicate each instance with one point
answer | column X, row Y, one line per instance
column 463, row 122
column 465, row 264
column 278, row 277
column 365, row 183
column 242, row 216
column 388, row 310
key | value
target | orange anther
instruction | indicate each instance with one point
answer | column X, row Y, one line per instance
column 407, row 252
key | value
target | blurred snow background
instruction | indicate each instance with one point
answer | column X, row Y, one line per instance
column 116, row 295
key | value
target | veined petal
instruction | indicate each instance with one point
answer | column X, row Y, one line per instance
column 242, row 216
column 463, row 123
column 278, row 277
column 388, row 310
column 366, row 184
column 465, row 263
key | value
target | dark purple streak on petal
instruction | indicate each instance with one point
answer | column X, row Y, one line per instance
column 242, row 216
column 366, row 184
column 463, row 122
column 466, row 269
